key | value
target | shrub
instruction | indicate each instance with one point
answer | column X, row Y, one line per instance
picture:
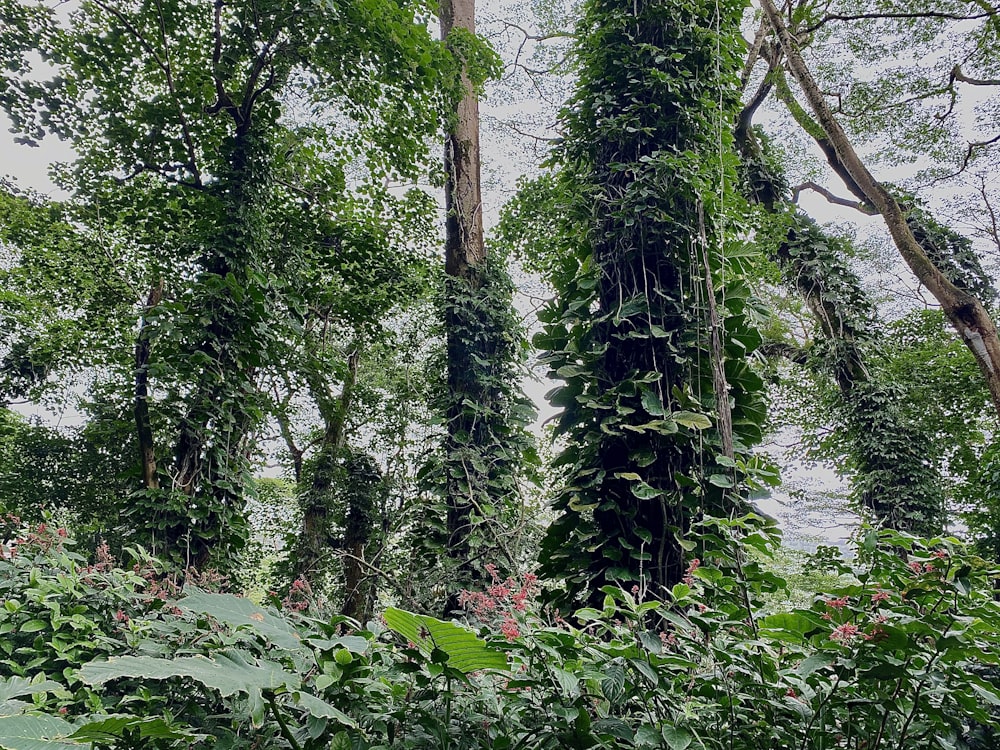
column 899, row 657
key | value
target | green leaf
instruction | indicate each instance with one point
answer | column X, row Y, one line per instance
column 569, row 683
column 237, row 611
column 645, row 492
column 652, row 404
column 35, row 733
column 691, row 419
column 465, row 651
column 812, row 663
column 229, row 672
column 720, row 480
column 677, row 738
column 322, row 709
column 113, row 727
column 18, row 687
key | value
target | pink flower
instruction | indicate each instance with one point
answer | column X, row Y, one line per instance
column 688, row 578
column 837, row 603
column 509, row 628
column 844, row 632
column 940, row 554
column 879, row 596
column 916, row 567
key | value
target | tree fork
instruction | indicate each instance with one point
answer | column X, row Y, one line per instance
column 966, row 313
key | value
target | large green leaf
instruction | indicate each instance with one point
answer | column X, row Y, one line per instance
column 18, row 687
column 109, row 728
column 465, row 651
column 320, row 708
column 35, row 733
column 229, row 672
column 237, row 611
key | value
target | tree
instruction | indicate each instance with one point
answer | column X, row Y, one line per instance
column 485, row 444
column 186, row 101
column 964, row 309
column 886, row 451
column 659, row 404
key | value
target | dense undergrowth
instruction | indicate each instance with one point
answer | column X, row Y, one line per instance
column 901, row 654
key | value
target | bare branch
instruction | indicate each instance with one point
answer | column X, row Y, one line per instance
column 969, row 152
column 831, row 198
column 958, row 75
column 222, row 99
column 755, row 52
column 873, row 16
column 992, row 230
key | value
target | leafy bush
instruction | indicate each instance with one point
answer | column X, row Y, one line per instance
column 897, row 657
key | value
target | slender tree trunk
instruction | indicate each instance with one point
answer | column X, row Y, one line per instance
column 143, row 427
column 464, row 243
column 465, row 252
column 316, row 501
column 966, row 313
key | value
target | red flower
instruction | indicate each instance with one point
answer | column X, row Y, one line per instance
column 509, row 628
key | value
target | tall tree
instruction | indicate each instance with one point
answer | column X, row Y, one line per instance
column 650, row 330
column 485, row 441
column 964, row 308
column 893, row 478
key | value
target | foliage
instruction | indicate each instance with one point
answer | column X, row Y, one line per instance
column 893, row 657
column 644, row 333
column 190, row 103
column 885, row 449
column 476, row 508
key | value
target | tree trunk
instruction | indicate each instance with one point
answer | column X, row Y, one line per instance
column 464, row 243
column 317, row 500
column 143, row 428
column 465, row 253
column 966, row 313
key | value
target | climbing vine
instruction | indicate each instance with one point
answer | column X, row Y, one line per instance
column 474, row 513
column 892, row 478
column 650, row 326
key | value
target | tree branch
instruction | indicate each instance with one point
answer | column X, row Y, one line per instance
column 958, row 75
column 864, row 208
column 966, row 313
column 873, row 16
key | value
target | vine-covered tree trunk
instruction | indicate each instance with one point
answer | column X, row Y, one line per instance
column 206, row 508
column 645, row 332
column 893, row 480
column 365, row 486
column 483, row 445
column 143, row 426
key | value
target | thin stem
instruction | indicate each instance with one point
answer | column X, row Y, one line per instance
column 285, row 732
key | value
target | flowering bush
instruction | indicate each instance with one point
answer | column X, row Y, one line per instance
column 899, row 656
